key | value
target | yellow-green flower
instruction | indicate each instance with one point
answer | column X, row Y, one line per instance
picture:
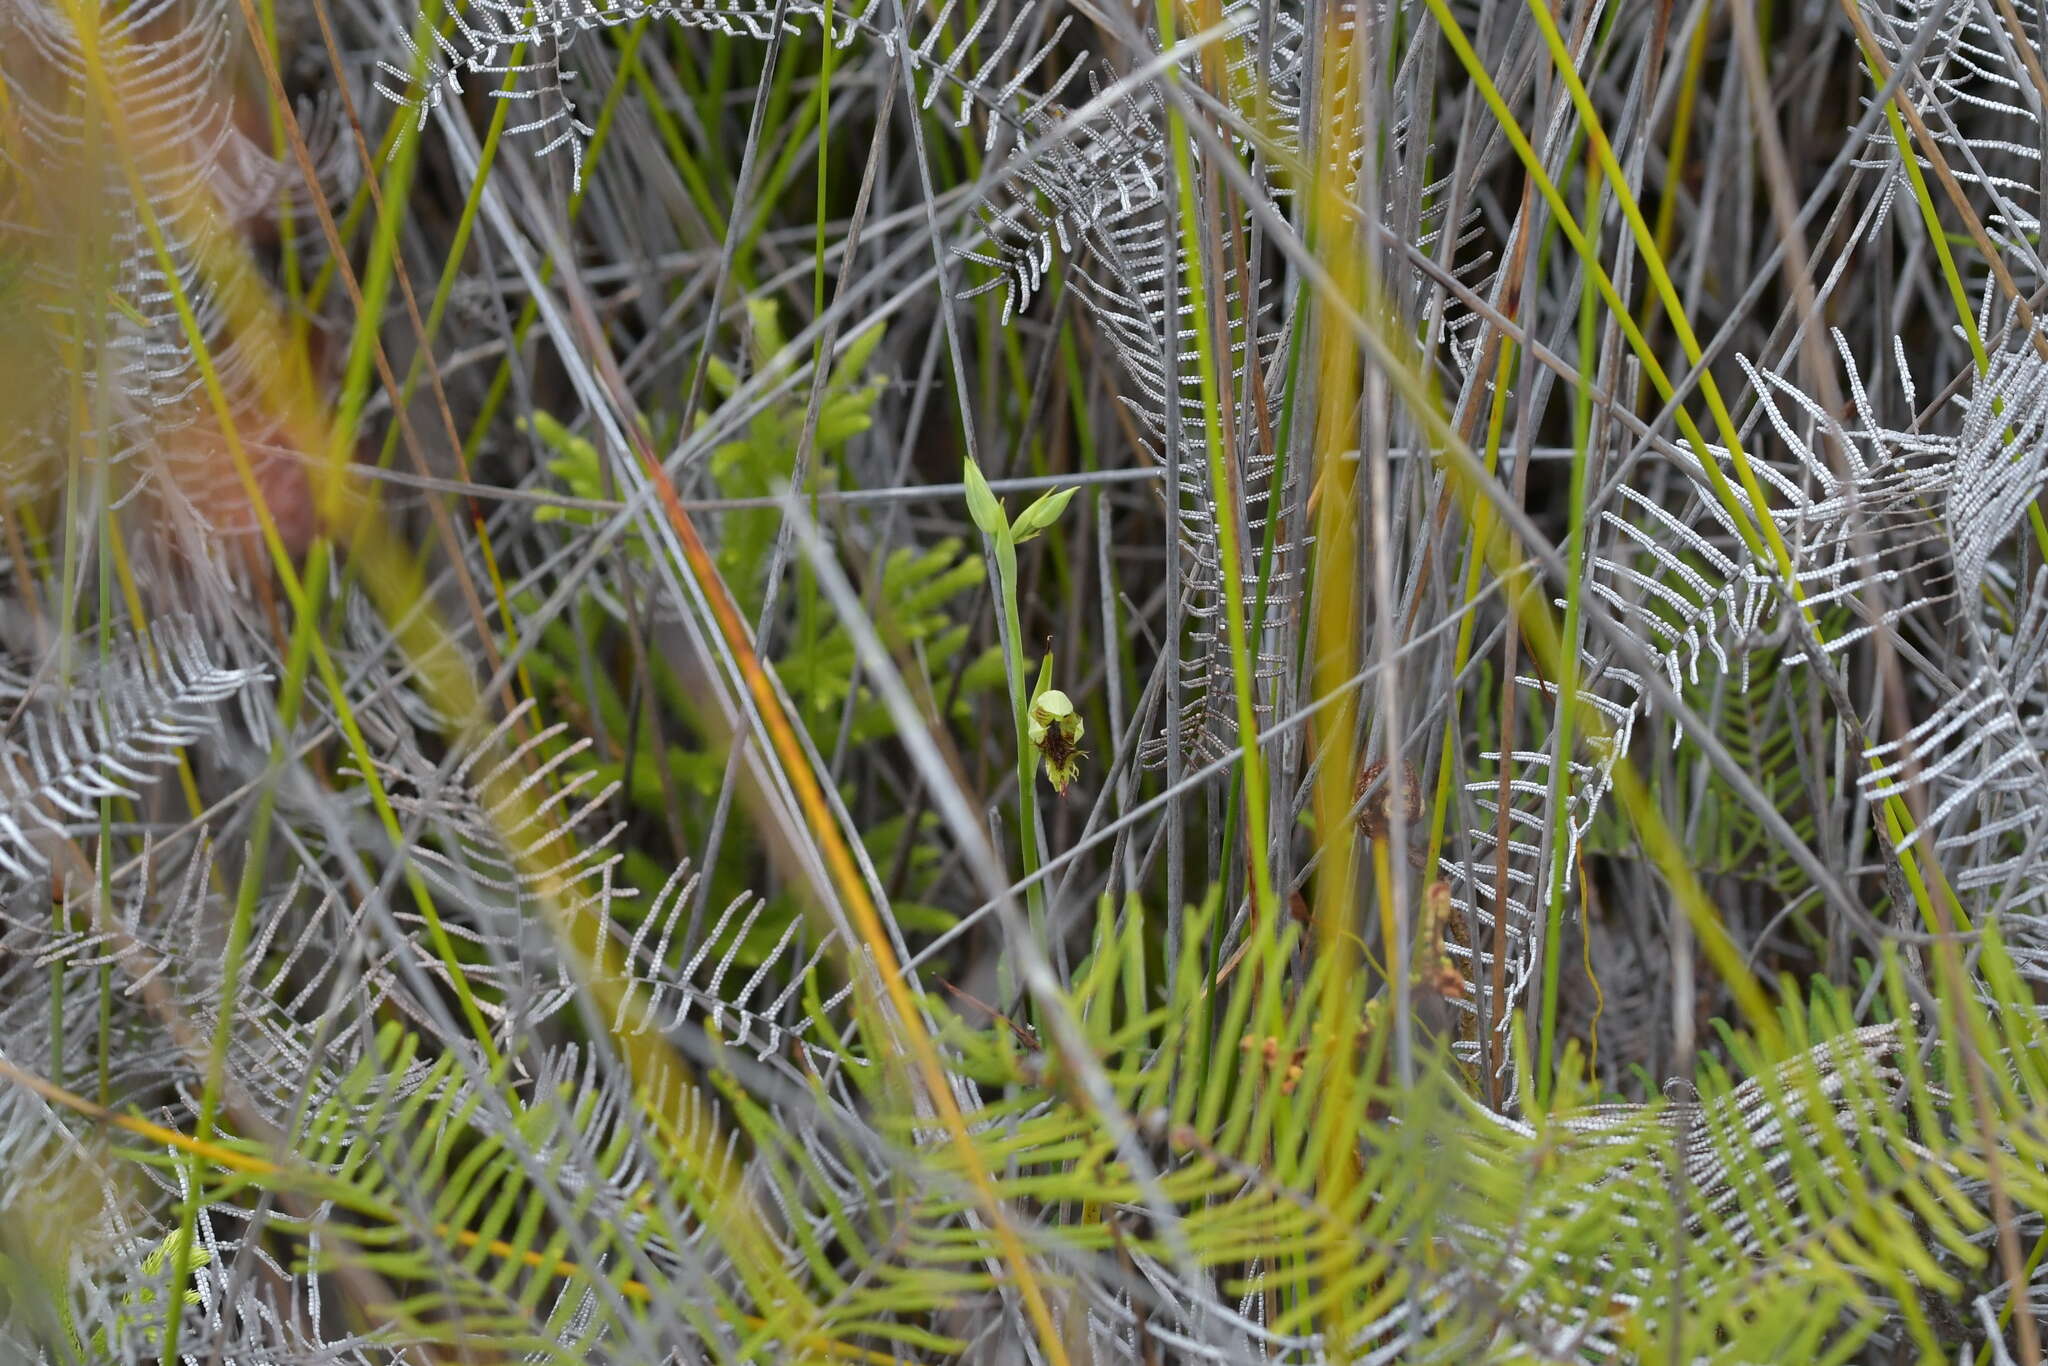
column 1055, row 728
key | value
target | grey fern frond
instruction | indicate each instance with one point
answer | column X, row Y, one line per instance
column 497, row 859
column 1974, row 91
column 759, row 1014
column 130, row 716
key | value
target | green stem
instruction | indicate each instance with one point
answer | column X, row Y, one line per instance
column 1568, row 678
column 1027, row 788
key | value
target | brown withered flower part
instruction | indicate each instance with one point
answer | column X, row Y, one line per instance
column 1376, row 819
column 1434, row 970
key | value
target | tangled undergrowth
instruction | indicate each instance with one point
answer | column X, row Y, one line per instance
column 1023, row 681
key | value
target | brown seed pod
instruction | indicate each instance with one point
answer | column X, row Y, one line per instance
column 1376, row 819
